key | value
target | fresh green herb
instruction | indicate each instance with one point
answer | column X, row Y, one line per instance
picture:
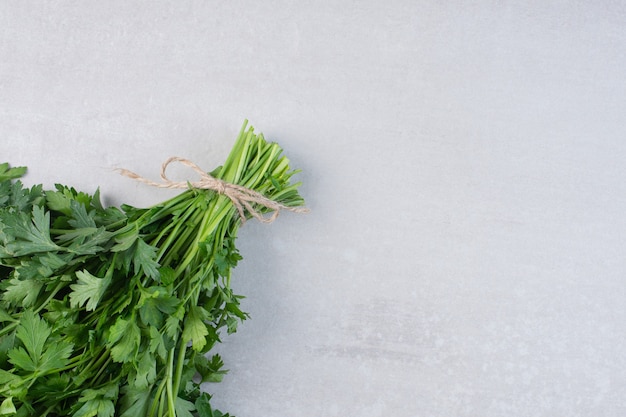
column 109, row 311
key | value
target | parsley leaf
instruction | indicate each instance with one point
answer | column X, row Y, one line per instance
column 203, row 405
column 32, row 234
column 123, row 340
column 89, row 290
column 21, row 292
column 98, row 402
column 154, row 303
column 210, row 370
column 7, row 173
column 195, row 330
column 134, row 402
column 4, row 316
column 145, row 372
column 7, row 407
column 80, row 218
column 184, row 408
column 145, row 259
column 36, row 356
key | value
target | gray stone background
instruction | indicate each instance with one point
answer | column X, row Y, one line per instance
column 464, row 163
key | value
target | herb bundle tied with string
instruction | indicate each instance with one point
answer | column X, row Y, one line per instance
column 108, row 311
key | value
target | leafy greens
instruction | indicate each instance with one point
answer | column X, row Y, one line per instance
column 108, row 311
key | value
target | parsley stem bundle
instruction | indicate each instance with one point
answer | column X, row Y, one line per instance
column 113, row 311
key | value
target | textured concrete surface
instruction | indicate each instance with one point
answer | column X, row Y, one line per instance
column 464, row 163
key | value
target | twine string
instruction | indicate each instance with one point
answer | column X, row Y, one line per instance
column 242, row 198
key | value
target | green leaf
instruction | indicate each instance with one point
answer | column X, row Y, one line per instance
column 21, row 359
column 39, row 266
column 167, row 304
column 7, row 342
column 167, row 274
column 221, row 263
column 106, row 216
column 7, row 173
column 154, row 302
column 92, row 243
column 125, row 240
column 7, row 408
column 61, row 200
column 40, row 229
column 123, row 340
column 86, row 240
column 5, row 190
column 32, row 234
column 4, row 316
column 33, row 332
column 57, row 201
column 146, row 371
column 135, row 402
column 26, row 410
column 95, row 201
column 231, row 325
column 22, row 293
column 203, row 406
column 158, row 343
column 184, row 407
column 80, row 217
column 59, row 314
column 51, row 262
column 51, row 386
column 19, row 197
column 210, row 370
column 150, row 314
column 89, row 290
column 37, row 356
column 98, row 407
column 195, row 330
column 55, row 356
column 172, row 324
column 98, row 402
column 145, row 259
column 8, row 378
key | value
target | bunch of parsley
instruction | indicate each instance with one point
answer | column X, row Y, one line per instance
column 108, row 311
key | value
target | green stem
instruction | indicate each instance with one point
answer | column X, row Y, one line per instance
column 180, row 366
column 102, row 369
column 54, row 292
column 171, row 403
column 173, row 233
column 48, row 410
column 8, row 328
column 157, row 399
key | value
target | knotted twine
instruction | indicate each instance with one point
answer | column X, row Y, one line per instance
column 242, row 198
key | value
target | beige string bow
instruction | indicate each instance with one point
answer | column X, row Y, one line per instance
column 241, row 197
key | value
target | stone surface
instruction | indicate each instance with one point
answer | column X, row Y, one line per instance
column 464, row 163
